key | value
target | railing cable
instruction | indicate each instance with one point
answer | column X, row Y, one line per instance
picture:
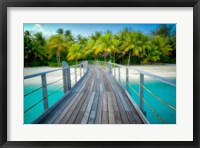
column 32, row 91
column 33, row 105
column 149, row 106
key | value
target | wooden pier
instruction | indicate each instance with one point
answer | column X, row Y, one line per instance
column 97, row 96
column 97, row 99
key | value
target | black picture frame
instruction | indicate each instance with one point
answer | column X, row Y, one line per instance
column 4, row 4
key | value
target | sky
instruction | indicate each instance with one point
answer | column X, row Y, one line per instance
column 88, row 29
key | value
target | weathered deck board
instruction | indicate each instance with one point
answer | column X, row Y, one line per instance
column 98, row 99
column 86, row 98
column 53, row 115
column 111, row 117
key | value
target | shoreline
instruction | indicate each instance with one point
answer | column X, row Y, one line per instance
column 167, row 71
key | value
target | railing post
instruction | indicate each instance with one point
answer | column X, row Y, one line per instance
column 66, row 77
column 86, row 66
column 81, row 70
column 85, row 63
column 44, row 92
column 119, row 74
column 110, row 67
column 127, row 79
column 141, row 91
column 114, row 72
column 75, row 74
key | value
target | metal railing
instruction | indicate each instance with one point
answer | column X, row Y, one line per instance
column 66, row 78
column 117, row 70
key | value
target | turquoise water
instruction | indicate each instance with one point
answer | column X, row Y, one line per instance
column 33, row 98
column 163, row 91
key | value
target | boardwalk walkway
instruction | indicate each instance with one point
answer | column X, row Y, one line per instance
column 97, row 99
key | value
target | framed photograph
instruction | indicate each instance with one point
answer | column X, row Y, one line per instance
column 104, row 73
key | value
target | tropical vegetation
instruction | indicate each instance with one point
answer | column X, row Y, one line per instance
column 125, row 47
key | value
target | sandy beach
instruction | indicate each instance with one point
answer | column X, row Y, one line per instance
column 51, row 77
column 166, row 71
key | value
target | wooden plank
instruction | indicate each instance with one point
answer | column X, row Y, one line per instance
column 139, row 112
column 125, row 105
column 134, row 112
column 58, row 110
column 105, row 109
column 116, row 110
column 99, row 109
column 131, row 117
column 75, row 113
column 70, row 111
column 81, row 112
column 88, row 109
column 100, row 99
column 120, row 106
column 130, row 106
column 95, row 104
column 87, row 98
column 93, row 109
column 111, row 117
column 60, row 117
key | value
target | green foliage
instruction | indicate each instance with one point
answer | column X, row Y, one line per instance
column 34, row 46
column 125, row 47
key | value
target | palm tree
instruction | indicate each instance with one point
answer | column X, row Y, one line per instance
column 156, row 48
column 122, row 38
column 115, row 46
column 60, row 31
column 68, row 35
column 150, row 53
column 40, row 38
column 55, row 46
column 28, row 54
column 90, row 48
column 75, row 53
column 163, row 45
column 132, row 44
column 104, row 45
column 96, row 36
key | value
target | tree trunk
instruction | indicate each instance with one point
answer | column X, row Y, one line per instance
column 114, row 58
column 58, row 59
column 105, row 57
column 129, row 57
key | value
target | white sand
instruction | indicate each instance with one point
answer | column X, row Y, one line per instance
column 167, row 71
column 51, row 77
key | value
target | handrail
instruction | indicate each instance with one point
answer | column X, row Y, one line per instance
column 66, row 77
column 140, row 94
column 45, row 72
column 165, row 80
column 42, row 73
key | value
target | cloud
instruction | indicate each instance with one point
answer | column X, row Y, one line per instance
column 41, row 28
column 38, row 28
